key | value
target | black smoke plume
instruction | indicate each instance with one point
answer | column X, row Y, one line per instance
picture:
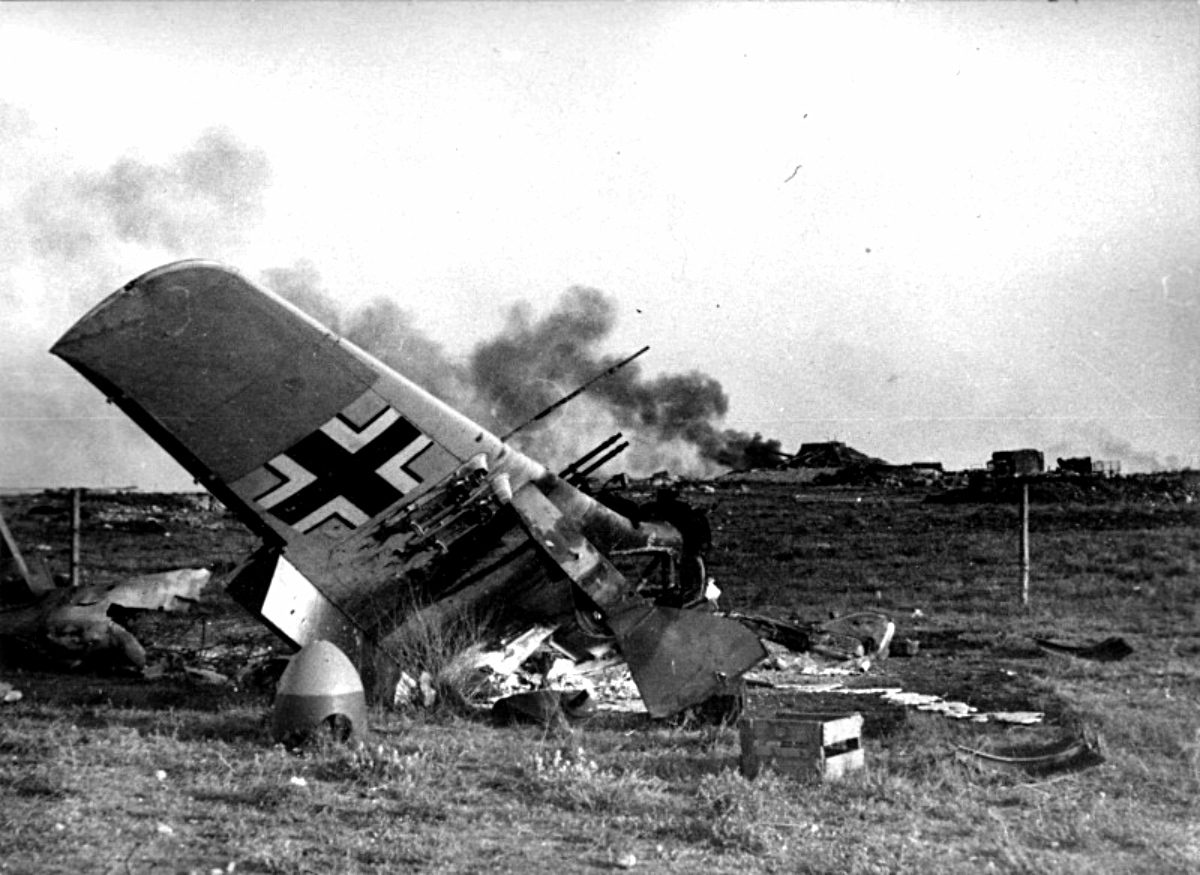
column 534, row 362
column 670, row 420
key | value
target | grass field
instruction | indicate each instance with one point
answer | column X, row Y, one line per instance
column 133, row 775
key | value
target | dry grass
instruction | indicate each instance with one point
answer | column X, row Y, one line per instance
column 92, row 779
column 437, row 647
column 460, row 797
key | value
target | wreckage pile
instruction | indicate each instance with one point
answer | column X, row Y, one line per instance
column 528, row 678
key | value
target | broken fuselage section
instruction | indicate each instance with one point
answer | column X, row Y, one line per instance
column 382, row 510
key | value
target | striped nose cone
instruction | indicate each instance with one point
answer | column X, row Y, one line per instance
column 319, row 692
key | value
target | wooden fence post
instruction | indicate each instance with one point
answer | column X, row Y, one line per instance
column 76, row 516
column 1025, row 543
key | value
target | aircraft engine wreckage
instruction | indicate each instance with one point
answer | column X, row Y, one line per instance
column 381, row 509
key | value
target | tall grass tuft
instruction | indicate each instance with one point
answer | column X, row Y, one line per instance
column 432, row 647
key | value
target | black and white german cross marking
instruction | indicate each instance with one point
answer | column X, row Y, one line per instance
column 345, row 472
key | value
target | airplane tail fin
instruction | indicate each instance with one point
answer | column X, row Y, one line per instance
column 680, row 657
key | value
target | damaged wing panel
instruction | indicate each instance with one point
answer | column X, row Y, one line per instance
column 680, row 657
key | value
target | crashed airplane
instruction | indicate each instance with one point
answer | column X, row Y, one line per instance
column 380, row 508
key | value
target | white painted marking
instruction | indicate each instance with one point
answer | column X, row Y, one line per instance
column 393, row 469
column 354, row 441
column 295, row 479
column 341, row 506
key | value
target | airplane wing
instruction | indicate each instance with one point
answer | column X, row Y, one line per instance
column 377, row 503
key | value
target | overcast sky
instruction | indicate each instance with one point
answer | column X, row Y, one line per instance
column 930, row 230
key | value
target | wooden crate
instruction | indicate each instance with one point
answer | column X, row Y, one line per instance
column 802, row 744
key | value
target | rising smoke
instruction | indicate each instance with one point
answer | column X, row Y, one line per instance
column 74, row 234
column 205, row 199
column 1104, row 446
column 70, row 236
column 505, row 381
column 560, row 351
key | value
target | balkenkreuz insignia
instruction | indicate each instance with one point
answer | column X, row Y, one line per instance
column 351, row 468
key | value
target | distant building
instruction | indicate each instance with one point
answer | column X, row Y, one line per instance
column 831, row 454
column 1080, row 466
column 1017, row 463
column 1086, row 466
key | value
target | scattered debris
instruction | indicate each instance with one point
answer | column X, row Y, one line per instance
column 9, row 693
column 858, row 637
column 894, row 695
column 530, row 677
column 873, row 629
column 927, row 702
column 418, row 692
column 508, row 658
column 207, row 677
column 1068, row 754
column 74, row 625
column 1022, row 718
column 426, row 690
column 261, row 673
column 548, row 708
column 626, row 860
column 1109, row 650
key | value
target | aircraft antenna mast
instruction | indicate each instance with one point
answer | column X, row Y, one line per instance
column 563, row 400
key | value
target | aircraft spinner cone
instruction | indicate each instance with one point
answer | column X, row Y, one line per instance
column 320, row 691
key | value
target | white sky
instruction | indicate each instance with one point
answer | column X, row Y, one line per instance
column 930, row 230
